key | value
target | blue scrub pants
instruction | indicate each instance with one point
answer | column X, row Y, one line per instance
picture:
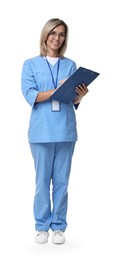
column 52, row 164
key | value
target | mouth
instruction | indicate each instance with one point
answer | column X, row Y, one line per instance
column 55, row 43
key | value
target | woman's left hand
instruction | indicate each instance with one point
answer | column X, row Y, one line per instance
column 81, row 90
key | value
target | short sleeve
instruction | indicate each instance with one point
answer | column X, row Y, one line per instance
column 28, row 83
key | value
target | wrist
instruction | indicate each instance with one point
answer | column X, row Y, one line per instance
column 77, row 100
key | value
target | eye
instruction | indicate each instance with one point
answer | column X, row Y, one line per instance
column 52, row 33
column 62, row 35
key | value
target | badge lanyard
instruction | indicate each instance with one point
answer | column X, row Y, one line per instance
column 55, row 104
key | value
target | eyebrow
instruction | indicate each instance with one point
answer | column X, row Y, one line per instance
column 56, row 31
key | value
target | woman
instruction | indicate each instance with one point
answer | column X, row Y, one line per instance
column 52, row 129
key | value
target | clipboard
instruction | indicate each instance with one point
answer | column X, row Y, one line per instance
column 66, row 92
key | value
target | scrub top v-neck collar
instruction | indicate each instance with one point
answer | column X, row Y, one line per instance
column 52, row 60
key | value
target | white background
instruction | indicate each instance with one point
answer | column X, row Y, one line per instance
column 91, row 232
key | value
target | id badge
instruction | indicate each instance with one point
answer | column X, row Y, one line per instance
column 55, row 105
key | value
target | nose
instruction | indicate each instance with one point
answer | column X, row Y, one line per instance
column 57, row 36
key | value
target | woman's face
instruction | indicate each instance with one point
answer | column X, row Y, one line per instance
column 55, row 38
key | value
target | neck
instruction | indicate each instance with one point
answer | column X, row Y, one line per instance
column 52, row 54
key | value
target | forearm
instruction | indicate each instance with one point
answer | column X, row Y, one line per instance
column 43, row 96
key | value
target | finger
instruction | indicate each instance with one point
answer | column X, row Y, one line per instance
column 80, row 88
column 79, row 91
column 85, row 87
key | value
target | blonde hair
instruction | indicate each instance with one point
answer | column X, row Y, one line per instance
column 49, row 26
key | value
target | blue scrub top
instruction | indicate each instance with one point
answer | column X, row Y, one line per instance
column 46, row 125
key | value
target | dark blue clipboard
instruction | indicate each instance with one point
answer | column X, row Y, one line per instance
column 66, row 92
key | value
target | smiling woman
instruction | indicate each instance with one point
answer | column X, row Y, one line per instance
column 52, row 130
column 55, row 40
column 57, row 31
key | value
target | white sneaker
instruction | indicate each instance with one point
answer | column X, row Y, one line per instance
column 41, row 237
column 58, row 237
